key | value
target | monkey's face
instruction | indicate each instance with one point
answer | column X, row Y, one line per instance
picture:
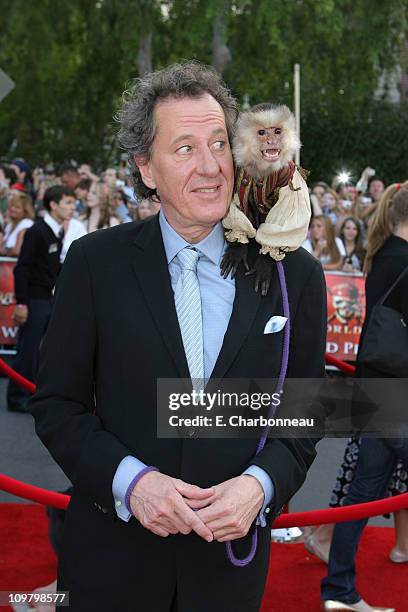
column 265, row 140
column 270, row 141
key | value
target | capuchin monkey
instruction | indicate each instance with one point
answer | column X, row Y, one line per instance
column 266, row 179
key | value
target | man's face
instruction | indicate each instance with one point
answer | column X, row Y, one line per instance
column 64, row 210
column 70, row 179
column 191, row 165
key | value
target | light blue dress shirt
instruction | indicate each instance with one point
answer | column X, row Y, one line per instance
column 217, row 298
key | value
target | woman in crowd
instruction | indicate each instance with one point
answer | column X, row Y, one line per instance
column 365, row 205
column 351, row 236
column 7, row 178
column 20, row 216
column 316, row 195
column 81, row 194
column 99, row 210
column 146, row 209
column 120, row 206
column 324, row 245
column 387, row 258
column 331, row 207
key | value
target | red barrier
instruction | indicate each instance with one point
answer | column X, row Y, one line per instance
column 36, row 494
column 20, row 380
column 295, row 519
column 343, row 514
column 347, row 368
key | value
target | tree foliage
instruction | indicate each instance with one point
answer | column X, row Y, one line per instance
column 71, row 61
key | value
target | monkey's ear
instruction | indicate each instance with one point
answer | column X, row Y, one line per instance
column 145, row 171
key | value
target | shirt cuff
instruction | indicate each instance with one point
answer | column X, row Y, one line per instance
column 127, row 469
column 267, row 485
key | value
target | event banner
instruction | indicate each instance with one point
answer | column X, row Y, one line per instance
column 8, row 329
column 345, row 313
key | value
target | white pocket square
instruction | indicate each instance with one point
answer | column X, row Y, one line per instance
column 275, row 324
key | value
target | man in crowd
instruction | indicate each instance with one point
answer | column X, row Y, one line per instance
column 70, row 176
column 127, row 297
column 35, row 275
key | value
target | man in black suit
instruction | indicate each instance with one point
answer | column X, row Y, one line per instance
column 35, row 275
column 131, row 538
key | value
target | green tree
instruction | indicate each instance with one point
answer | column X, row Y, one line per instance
column 71, row 61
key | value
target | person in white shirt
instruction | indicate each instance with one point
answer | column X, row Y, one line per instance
column 73, row 229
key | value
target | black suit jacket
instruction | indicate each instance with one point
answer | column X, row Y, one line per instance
column 113, row 333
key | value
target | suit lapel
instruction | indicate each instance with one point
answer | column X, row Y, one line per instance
column 151, row 269
column 246, row 304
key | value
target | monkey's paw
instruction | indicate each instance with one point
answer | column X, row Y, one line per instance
column 262, row 269
column 234, row 255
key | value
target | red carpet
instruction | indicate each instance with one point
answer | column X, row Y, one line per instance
column 27, row 561
column 294, row 575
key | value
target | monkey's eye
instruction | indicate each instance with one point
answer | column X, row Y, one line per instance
column 261, row 132
column 278, row 130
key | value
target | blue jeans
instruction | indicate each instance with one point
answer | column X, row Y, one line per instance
column 376, row 463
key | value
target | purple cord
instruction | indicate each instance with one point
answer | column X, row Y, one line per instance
column 262, row 441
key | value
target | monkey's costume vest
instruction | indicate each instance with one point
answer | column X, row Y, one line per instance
column 274, row 210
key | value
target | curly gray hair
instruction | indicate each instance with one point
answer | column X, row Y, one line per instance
column 136, row 114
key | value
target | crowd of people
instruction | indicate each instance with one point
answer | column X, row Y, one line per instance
column 101, row 200
column 341, row 213
column 42, row 212
column 341, row 216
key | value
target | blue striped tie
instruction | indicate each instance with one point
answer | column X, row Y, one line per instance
column 187, row 298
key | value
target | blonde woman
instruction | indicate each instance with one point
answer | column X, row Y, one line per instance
column 20, row 214
column 99, row 209
column 324, row 245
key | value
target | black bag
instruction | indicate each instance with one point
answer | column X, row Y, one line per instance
column 385, row 342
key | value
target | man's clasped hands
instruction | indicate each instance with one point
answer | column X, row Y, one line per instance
column 224, row 512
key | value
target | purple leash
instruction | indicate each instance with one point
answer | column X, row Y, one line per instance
column 279, row 389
